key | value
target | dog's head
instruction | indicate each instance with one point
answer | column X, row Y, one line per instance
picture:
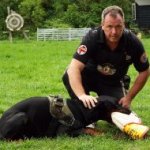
column 111, row 104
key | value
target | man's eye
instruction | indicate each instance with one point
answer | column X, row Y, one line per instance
column 118, row 27
column 109, row 27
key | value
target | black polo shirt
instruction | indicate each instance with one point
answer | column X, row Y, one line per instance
column 111, row 65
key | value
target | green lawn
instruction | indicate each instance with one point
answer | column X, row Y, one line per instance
column 35, row 69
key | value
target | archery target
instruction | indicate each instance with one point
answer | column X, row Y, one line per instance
column 14, row 22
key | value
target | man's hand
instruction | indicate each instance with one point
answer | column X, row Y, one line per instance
column 88, row 101
column 125, row 102
column 134, row 90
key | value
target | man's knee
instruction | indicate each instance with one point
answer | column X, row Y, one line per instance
column 65, row 78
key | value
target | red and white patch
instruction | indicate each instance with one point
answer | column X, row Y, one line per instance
column 82, row 50
column 143, row 58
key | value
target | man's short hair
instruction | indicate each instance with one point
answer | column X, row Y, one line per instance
column 113, row 10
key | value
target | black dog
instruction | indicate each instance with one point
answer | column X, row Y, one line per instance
column 43, row 116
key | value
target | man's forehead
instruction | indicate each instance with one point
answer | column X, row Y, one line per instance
column 113, row 19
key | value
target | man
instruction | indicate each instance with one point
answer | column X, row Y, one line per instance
column 102, row 60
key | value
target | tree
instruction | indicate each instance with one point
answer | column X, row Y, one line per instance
column 81, row 14
column 60, row 13
column 33, row 13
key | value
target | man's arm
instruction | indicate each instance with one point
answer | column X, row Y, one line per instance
column 75, row 79
column 137, row 86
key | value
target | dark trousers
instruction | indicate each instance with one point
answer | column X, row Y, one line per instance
column 92, row 83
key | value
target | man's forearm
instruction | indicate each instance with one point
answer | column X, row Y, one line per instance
column 138, row 84
column 76, row 82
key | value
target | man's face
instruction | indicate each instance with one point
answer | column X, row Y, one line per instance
column 113, row 27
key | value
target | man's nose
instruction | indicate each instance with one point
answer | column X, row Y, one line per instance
column 114, row 30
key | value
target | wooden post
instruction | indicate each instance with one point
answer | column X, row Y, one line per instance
column 25, row 35
column 10, row 37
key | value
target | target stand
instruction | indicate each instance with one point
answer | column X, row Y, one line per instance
column 15, row 22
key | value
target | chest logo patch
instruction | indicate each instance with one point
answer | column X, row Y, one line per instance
column 106, row 69
column 82, row 50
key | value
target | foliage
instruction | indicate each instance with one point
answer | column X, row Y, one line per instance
column 72, row 15
column 57, row 23
column 60, row 13
column 35, row 15
column 35, row 69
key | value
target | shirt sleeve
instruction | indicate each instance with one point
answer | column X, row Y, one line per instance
column 85, row 48
column 139, row 56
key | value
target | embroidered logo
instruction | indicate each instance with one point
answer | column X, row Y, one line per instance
column 82, row 50
column 106, row 69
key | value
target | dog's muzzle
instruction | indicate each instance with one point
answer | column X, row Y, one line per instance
column 60, row 110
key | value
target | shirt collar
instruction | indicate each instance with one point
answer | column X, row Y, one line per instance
column 101, row 36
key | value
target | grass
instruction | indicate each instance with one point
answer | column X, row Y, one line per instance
column 35, row 68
